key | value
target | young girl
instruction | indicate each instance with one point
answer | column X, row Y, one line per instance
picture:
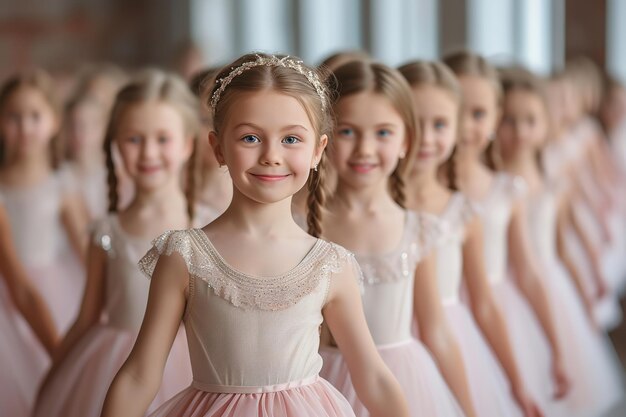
column 252, row 321
column 523, row 299
column 46, row 213
column 85, row 125
column 375, row 129
column 153, row 123
column 22, row 358
column 214, row 185
column 521, row 134
column 437, row 97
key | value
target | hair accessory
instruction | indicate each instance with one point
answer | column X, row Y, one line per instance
column 270, row 61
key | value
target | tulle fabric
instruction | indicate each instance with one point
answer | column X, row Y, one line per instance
column 425, row 390
column 319, row 399
column 530, row 347
column 489, row 386
column 61, row 285
column 587, row 355
column 79, row 387
column 22, row 361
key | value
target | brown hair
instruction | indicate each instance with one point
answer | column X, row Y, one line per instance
column 159, row 86
column 295, row 84
column 44, row 84
column 358, row 76
column 465, row 63
column 334, row 61
column 436, row 74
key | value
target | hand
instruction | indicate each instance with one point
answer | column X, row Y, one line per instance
column 562, row 383
column 527, row 405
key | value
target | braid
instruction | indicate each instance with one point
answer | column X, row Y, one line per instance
column 111, row 176
column 316, row 198
column 451, row 171
column 397, row 185
column 190, row 187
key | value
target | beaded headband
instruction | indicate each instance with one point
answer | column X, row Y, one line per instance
column 270, row 61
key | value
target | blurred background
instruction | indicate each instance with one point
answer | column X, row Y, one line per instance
column 62, row 35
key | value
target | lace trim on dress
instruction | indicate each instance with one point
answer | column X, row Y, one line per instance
column 243, row 290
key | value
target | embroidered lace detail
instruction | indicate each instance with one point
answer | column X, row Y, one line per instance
column 420, row 235
column 243, row 290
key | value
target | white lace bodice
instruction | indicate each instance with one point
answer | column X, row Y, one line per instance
column 450, row 248
column 248, row 331
column 388, row 279
column 35, row 217
column 495, row 213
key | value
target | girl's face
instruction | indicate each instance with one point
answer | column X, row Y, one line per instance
column 524, row 124
column 437, row 116
column 27, row 122
column 479, row 113
column 153, row 143
column 370, row 137
column 85, row 129
column 269, row 145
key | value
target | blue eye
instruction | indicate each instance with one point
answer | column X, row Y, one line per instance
column 345, row 132
column 291, row 140
column 250, row 139
column 134, row 139
column 163, row 140
column 383, row 133
column 478, row 114
column 440, row 124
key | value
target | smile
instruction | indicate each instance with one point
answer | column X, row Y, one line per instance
column 269, row 178
column 363, row 168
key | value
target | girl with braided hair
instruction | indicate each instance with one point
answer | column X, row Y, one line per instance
column 154, row 124
column 252, row 287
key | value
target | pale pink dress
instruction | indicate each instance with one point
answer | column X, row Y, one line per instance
column 43, row 245
column 489, row 386
column 253, row 340
column 79, row 387
column 388, row 306
column 530, row 344
column 588, row 357
column 23, row 360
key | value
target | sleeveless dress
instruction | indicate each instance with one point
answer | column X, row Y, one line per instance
column 43, row 246
column 530, row 345
column 587, row 355
column 80, row 386
column 253, row 341
column 22, row 358
column 489, row 386
column 388, row 306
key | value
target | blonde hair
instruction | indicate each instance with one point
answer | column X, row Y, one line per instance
column 334, row 61
column 42, row 82
column 436, row 74
column 366, row 76
column 159, row 86
column 295, row 84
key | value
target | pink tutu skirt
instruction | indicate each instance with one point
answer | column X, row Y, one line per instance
column 315, row 398
column 489, row 386
column 80, row 386
column 23, row 361
column 530, row 347
column 588, row 357
column 61, row 285
column 425, row 389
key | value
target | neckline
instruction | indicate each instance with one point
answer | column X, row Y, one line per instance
column 225, row 266
column 408, row 218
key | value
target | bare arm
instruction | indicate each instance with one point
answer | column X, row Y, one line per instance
column 486, row 311
column 75, row 219
column 138, row 381
column 436, row 334
column 374, row 384
column 22, row 291
column 530, row 284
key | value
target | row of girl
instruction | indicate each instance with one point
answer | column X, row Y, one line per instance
column 463, row 255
